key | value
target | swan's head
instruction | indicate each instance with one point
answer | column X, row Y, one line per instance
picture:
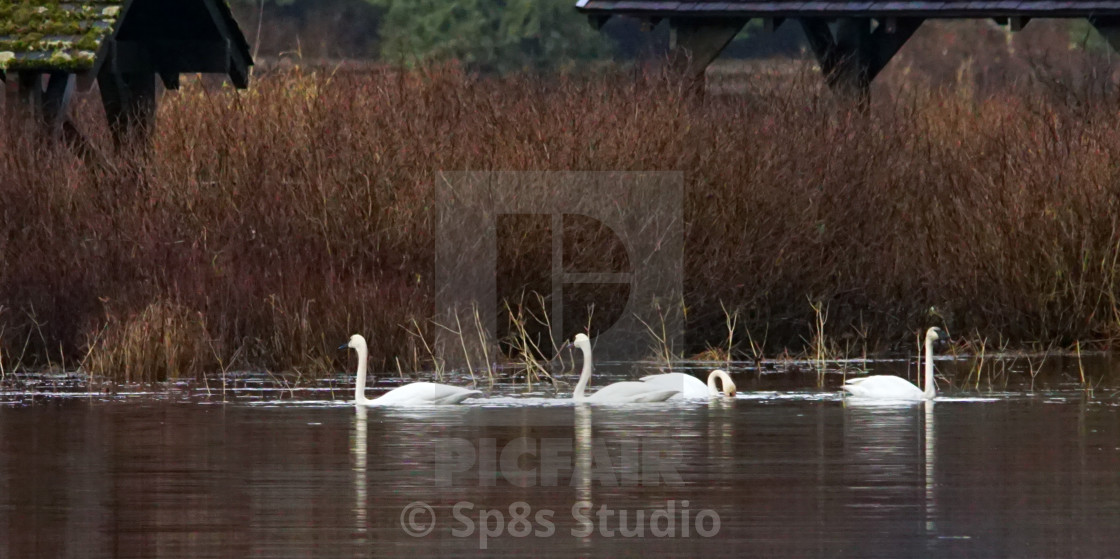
column 356, row 342
column 728, row 384
column 936, row 334
column 582, row 341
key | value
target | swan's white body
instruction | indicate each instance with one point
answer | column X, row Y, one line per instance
column 619, row 392
column 413, row 394
column 889, row 387
column 885, row 387
column 692, row 388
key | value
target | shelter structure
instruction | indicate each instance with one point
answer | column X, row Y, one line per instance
column 50, row 48
column 853, row 40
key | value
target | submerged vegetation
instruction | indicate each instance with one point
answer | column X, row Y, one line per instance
column 264, row 227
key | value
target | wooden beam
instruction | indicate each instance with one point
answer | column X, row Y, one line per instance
column 888, row 40
column 85, row 80
column 694, row 44
column 31, row 90
column 56, row 100
column 169, row 78
column 11, row 97
column 771, row 24
column 45, row 107
column 239, row 64
column 56, row 116
column 128, row 56
column 192, row 57
column 823, row 45
column 130, row 104
column 104, row 51
column 23, row 97
column 854, row 55
column 854, row 44
column 183, row 57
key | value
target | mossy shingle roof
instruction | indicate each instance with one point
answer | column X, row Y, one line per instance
column 63, row 35
column 68, row 34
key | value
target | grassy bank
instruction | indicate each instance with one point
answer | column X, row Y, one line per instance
column 262, row 228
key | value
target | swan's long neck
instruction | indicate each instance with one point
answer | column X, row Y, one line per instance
column 360, row 386
column 584, row 376
column 726, row 388
column 930, row 387
column 713, row 390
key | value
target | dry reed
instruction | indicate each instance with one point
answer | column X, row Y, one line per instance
column 272, row 224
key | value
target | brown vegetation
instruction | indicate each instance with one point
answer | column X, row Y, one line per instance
column 271, row 224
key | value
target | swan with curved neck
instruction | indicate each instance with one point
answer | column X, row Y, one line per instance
column 693, row 388
column 618, row 393
column 413, row 394
column 889, row 387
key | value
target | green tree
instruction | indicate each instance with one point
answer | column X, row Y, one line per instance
column 1083, row 35
column 489, row 35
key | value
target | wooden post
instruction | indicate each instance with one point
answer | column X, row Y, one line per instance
column 30, row 105
column 56, row 101
column 45, row 110
column 853, row 55
column 888, row 38
column 30, row 92
column 823, row 46
column 129, row 100
column 694, row 44
column 853, row 68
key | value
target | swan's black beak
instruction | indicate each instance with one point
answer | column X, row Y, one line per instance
column 344, row 346
column 942, row 340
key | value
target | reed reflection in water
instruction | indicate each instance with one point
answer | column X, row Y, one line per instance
column 788, row 475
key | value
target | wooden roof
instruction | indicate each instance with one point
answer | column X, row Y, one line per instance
column 53, row 34
column 800, row 8
column 71, row 35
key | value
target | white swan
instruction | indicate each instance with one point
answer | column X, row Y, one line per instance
column 890, row 387
column 619, row 392
column 413, row 394
column 693, row 388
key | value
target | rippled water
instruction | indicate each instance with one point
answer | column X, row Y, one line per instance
column 792, row 472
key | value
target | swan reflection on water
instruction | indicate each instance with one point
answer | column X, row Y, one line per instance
column 889, row 452
column 582, row 473
column 359, row 452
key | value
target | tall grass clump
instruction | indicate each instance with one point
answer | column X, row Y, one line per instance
column 164, row 341
column 261, row 228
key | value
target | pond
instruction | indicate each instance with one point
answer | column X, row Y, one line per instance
column 785, row 468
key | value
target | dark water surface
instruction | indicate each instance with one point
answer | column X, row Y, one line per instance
column 799, row 473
